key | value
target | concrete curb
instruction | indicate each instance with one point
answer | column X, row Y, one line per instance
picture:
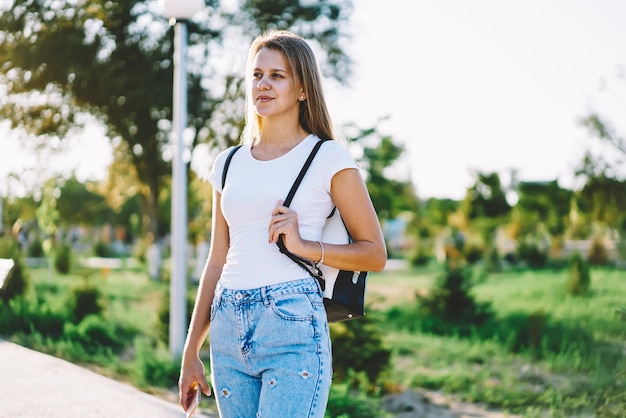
column 36, row 385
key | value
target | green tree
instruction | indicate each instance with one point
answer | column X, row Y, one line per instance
column 486, row 198
column 93, row 206
column 113, row 60
column 390, row 196
column 603, row 196
column 543, row 203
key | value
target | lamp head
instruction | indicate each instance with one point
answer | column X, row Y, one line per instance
column 181, row 9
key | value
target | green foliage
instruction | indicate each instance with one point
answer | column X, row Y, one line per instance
column 486, row 198
column 21, row 316
column 153, row 365
column 93, row 333
column 614, row 398
column 35, row 248
column 101, row 249
column 451, row 303
column 162, row 325
column 16, row 282
column 421, row 256
column 84, row 300
column 473, row 252
column 543, row 203
column 93, row 206
column 350, row 399
column 63, row 258
column 390, row 197
column 579, row 276
column 598, row 254
column 358, row 346
column 532, row 254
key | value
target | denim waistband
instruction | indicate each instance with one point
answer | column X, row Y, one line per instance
column 264, row 293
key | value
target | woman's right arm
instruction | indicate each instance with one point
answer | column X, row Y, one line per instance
column 192, row 369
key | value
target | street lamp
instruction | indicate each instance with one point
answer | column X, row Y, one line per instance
column 179, row 11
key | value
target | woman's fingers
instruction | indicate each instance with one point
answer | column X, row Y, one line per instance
column 284, row 221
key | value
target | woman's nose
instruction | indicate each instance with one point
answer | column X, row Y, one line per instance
column 263, row 84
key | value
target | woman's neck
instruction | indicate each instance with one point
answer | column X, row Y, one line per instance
column 274, row 143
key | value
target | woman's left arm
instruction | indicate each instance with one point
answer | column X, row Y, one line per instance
column 367, row 252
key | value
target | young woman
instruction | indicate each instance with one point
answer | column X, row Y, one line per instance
column 269, row 340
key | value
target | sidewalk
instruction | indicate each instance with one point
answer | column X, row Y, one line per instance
column 36, row 385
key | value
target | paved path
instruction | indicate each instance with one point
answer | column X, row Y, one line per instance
column 36, row 385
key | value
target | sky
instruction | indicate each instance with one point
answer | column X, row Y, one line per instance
column 487, row 85
column 465, row 86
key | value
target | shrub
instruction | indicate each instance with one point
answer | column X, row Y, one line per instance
column 63, row 259
column 420, row 256
column 16, row 282
column 452, row 301
column 473, row 252
column 358, row 346
column 35, row 248
column 579, row 277
column 154, row 365
column 163, row 316
column 534, row 256
column 85, row 299
column 598, row 254
column 94, row 333
column 349, row 399
column 101, row 249
column 25, row 316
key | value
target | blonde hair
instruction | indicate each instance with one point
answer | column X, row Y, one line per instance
column 313, row 114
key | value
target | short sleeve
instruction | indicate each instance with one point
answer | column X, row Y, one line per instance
column 334, row 157
column 215, row 175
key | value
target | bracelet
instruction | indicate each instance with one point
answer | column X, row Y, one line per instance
column 321, row 261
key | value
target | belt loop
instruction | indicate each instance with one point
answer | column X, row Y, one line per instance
column 264, row 297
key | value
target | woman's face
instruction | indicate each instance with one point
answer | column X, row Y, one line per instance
column 274, row 91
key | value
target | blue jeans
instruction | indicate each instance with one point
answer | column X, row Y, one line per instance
column 270, row 351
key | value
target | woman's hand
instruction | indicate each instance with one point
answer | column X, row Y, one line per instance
column 285, row 222
column 191, row 380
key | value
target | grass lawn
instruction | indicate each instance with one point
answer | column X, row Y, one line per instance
column 577, row 342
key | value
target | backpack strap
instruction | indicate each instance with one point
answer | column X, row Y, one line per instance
column 308, row 265
column 227, row 164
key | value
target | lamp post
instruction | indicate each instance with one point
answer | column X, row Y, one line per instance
column 179, row 11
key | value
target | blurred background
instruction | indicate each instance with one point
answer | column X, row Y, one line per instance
column 490, row 135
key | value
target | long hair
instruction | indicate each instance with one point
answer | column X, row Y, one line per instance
column 313, row 113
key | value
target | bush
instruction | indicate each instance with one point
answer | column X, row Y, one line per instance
column 101, row 249
column 85, row 300
column 452, row 301
column 94, row 333
column 598, row 254
column 163, row 316
column 349, row 400
column 35, row 249
column 358, row 346
column 579, row 277
column 420, row 256
column 20, row 316
column 154, row 365
column 534, row 256
column 63, row 259
column 16, row 282
column 473, row 253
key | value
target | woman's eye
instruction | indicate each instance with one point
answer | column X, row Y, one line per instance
column 256, row 75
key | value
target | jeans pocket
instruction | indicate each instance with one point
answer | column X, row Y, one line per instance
column 215, row 305
column 293, row 307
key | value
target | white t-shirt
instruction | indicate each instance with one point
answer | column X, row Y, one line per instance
column 251, row 192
